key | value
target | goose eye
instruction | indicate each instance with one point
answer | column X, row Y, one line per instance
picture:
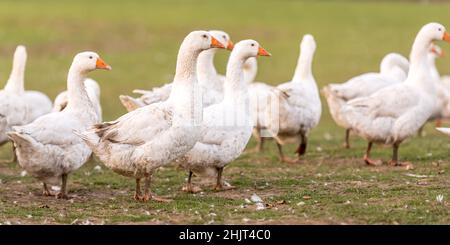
column 440, row 29
column 90, row 57
column 204, row 36
column 253, row 45
column 224, row 37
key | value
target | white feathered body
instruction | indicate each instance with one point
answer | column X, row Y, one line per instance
column 390, row 115
column 48, row 147
column 226, row 131
column 14, row 111
column 299, row 111
column 142, row 140
column 393, row 70
column 290, row 110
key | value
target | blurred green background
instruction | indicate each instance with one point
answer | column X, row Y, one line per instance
column 140, row 40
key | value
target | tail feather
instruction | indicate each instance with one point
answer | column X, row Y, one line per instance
column 22, row 141
column 141, row 91
column 331, row 96
column 328, row 91
column 101, row 128
column 89, row 137
column 129, row 102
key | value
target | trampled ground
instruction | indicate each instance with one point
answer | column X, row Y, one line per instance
column 140, row 40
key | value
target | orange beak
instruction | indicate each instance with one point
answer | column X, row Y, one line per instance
column 446, row 37
column 100, row 64
column 230, row 45
column 215, row 43
column 263, row 52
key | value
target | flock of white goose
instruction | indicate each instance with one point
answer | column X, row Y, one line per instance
column 202, row 120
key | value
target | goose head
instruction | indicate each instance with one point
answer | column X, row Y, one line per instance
column 308, row 43
column 89, row 61
column 434, row 31
column 249, row 48
column 224, row 38
column 20, row 53
column 201, row 40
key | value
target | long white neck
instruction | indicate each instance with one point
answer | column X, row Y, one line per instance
column 393, row 61
column 186, row 65
column 303, row 71
column 419, row 72
column 15, row 82
column 235, row 85
column 206, row 71
column 77, row 97
column 186, row 95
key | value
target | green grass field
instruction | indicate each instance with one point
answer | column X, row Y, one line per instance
column 140, row 40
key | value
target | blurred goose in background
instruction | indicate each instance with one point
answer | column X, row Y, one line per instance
column 93, row 91
column 391, row 115
column 139, row 142
column 442, row 109
column 47, row 148
column 18, row 106
column 210, row 81
column 393, row 69
column 227, row 126
column 250, row 70
column 445, row 82
column 299, row 106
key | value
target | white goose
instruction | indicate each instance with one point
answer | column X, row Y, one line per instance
column 18, row 106
column 141, row 141
column 227, row 126
column 93, row 91
column 299, row 105
column 393, row 69
column 391, row 115
column 47, row 148
column 209, row 80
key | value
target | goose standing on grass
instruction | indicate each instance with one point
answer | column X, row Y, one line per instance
column 93, row 91
column 299, row 105
column 227, row 126
column 47, row 148
column 391, row 115
column 139, row 142
column 209, row 80
column 393, row 69
column 18, row 106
